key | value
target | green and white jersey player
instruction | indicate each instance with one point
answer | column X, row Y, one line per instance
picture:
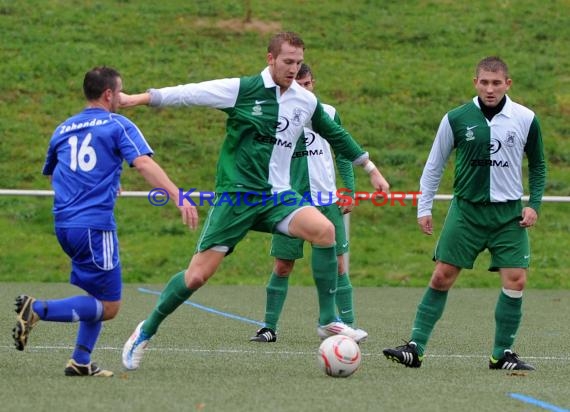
column 491, row 136
column 266, row 116
column 312, row 175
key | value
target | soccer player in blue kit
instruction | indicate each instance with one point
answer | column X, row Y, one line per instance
column 84, row 161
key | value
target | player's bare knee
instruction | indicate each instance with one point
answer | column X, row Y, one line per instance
column 195, row 280
column 283, row 267
column 325, row 235
column 515, row 284
column 513, row 279
column 442, row 279
column 520, row 285
column 110, row 309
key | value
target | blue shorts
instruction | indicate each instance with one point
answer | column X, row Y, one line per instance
column 95, row 264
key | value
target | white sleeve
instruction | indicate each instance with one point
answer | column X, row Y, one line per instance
column 219, row 94
column 433, row 170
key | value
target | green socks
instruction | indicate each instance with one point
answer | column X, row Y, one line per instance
column 324, row 264
column 344, row 303
column 429, row 311
column 173, row 295
column 508, row 314
column 276, row 294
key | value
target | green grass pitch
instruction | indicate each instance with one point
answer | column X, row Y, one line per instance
column 202, row 360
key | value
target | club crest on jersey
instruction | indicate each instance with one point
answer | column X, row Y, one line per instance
column 297, row 117
column 510, row 138
column 469, row 135
column 256, row 110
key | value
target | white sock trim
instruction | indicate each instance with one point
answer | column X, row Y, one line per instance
column 99, row 304
column 513, row 293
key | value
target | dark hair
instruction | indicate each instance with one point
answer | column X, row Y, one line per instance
column 99, row 79
column 492, row 64
column 304, row 70
column 277, row 41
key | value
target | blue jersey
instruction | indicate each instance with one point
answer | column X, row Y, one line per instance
column 85, row 157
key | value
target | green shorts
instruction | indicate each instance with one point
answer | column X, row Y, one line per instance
column 470, row 228
column 232, row 215
column 291, row 248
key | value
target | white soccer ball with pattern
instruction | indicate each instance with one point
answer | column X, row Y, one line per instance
column 339, row 356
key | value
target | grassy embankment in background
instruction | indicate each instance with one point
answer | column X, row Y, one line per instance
column 391, row 69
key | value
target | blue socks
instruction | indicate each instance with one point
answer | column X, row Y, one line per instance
column 73, row 309
column 86, row 338
column 86, row 310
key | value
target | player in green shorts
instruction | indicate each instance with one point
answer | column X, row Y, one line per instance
column 491, row 135
column 266, row 114
column 312, row 172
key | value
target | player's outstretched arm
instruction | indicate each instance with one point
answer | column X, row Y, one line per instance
column 157, row 177
column 130, row 100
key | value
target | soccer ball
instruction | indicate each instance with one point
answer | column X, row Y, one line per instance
column 339, row 356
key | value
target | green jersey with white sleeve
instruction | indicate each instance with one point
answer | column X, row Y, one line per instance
column 489, row 156
column 262, row 128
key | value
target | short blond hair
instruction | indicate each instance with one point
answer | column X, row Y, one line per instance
column 277, row 41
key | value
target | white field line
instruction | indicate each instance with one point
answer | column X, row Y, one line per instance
column 47, row 348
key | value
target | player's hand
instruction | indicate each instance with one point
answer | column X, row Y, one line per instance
column 347, row 208
column 426, row 224
column 378, row 181
column 529, row 217
column 189, row 215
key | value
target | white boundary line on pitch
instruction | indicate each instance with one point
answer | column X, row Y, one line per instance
column 257, row 352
